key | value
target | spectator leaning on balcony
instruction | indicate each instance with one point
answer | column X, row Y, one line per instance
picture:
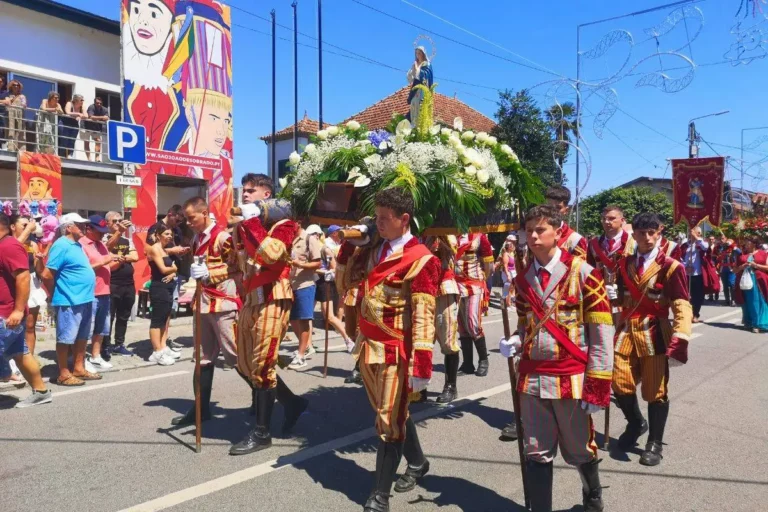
column 17, row 102
column 73, row 281
column 47, row 122
column 74, row 113
column 4, row 101
column 98, row 115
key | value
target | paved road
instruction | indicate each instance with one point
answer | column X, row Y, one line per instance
column 106, row 447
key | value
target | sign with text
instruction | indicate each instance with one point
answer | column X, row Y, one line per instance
column 127, row 142
column 132, row 181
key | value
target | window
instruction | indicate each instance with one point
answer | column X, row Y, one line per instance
column 112, row 102
column 36, row 90
column 282, row 168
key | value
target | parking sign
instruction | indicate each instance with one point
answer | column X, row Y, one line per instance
column 127, row 142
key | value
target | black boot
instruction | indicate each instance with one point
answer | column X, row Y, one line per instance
column 206, row 385
column 467, row 353
column 450, row 393
column 592, row 492
column 293, row 405
column 387, row 459
column 354, row 377
column 539, row 478
column 482, row 357
column 509, row 432
column 636, row 424
column 657, row 420
column 418, row 465
column 259, row 438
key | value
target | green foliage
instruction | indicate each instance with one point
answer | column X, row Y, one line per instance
column 521, row 124
column 632, row 200
column 339, row 165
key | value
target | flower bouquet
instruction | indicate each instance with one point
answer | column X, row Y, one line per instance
column 459, row 180
column 746, row 227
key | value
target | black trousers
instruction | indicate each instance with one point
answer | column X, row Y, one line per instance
column 122, row 299
column 697, row 294
column 726, row 280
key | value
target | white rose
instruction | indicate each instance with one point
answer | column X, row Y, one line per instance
column 403, row 128
column 471, row 170
column 310, row 148
column 506, row 149
column 446, row 131
column 468, row 135
column 294, row 158
column 353, row 125
column 458, row 124
column 454, row 141
column 434, row 129
column 333, row 130
column 283, row 182
column 461, row 150
column 483, row 176
column 474, row 157
column 322, row 134
column 481, row 137
column 493, row 140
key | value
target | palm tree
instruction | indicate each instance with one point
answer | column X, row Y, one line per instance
column 562, row 119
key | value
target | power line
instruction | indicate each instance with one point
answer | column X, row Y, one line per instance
column 455, row 41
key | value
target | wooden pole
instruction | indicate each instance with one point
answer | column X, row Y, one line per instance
column 515, row 404
column 198, row 330
column 328, row 302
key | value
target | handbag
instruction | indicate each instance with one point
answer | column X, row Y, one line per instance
column 746, row 282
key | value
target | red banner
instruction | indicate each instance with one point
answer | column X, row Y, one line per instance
column 40, row 177
column 697, row 189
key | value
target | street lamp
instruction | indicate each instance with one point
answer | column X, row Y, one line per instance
column 693, row 149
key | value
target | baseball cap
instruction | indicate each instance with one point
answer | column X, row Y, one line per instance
column 98, row 223
column 314, row 229
column 333, row 228
column 72, row 218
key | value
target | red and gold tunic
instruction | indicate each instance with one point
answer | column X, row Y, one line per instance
column 267, row 260
column 474, row 259
column 219, row 289
column 572, row 242
column 579, row 309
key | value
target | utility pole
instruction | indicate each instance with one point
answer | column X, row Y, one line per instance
column 693, row 149
column 295, row 76
column 320, row 61
column 273, row 171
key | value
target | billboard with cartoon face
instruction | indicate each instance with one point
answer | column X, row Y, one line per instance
column 177, row 83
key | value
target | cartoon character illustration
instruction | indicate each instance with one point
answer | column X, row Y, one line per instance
column 37, row 189
column 695, row 195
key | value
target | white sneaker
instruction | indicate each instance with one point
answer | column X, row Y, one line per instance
column 161, row 358
column 89, row 367
column 99, row 363
column 297, row 363
column 311, row 350
column 350, row 345
column 172, row 353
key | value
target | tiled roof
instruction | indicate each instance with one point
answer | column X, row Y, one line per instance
column 379, row 114
column 307, row 127
column 447, row 109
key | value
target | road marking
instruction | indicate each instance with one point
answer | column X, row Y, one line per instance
column 95, row 387
column 696, row 335
column 718, row 317
column 244, row 475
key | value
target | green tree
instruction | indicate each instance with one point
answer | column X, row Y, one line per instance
column 562, row 119
column 522, row 125
column 632, row 200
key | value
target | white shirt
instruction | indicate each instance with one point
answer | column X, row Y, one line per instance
column 649, row 257
column 693, row 257
column 203, row 237
column 549, row 266
column 394, row 245
column 616, row 239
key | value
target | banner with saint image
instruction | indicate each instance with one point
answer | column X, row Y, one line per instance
column 697, row 189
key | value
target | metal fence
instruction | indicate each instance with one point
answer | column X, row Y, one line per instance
column 38, row 131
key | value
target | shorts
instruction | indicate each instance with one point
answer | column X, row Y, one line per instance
column 12, row 343
column 322, row 294
column 303, row 303
column 161, row 300
column 73, row 323
column 37, row 294
column 101, row 324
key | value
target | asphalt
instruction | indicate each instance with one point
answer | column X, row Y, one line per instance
column 108, row 445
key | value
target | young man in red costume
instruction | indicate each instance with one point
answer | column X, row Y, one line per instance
column 559, row 197
column 264, row 260
column 565, row 341
column 396, row 320
column 651, row 286
column 219, row 302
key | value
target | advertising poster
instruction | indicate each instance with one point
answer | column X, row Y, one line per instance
column 177, row 83
column 40, row 177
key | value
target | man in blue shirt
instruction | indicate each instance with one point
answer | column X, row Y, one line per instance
column 74, row 281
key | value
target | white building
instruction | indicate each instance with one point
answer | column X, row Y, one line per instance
column 53, row 47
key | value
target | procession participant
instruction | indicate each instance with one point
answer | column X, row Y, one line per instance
column 605, row 251
column 447, row 313
column 566, row 329
column 474, row 263
column 727, row 254
column 693, row 258
column 263, row 319
column 559, row 197
column 219, row 302
column 647, row 342
column 669, row 247
column 396, row 310
column 714, row 295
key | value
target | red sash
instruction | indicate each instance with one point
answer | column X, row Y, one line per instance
column 578, row 361
column 267, row 276
column 606, row 260
column 389, row 266
column 375, row 333
column 205, row 250
column 645, row 306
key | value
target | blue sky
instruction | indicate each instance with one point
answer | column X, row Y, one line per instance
column 650, row 126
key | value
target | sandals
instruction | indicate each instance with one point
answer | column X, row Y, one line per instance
column 70, row 381
column 88, row 376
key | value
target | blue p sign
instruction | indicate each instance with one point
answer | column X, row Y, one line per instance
column 127, row 142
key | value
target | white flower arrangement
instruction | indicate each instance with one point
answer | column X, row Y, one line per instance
column 333, row 131
column 468, row 135
column 353, row 125
column 294, row 158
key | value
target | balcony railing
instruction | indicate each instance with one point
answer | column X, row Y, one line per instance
column 51, row 133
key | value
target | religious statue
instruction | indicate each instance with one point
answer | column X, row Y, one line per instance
column 419, row 73
column 695, row 196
